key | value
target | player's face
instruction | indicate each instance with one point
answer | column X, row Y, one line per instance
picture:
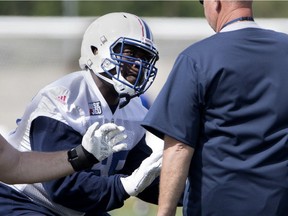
column 130, row 71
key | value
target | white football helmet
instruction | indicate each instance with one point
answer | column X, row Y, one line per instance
column 98, row 51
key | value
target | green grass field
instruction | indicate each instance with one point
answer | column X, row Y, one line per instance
column 135, row 207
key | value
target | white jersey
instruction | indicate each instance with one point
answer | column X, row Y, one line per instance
column 76, row 101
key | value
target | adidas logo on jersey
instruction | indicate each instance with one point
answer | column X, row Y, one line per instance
column 62, row 98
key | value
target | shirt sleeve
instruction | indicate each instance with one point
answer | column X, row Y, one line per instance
column 82, row 191
column 176, row 110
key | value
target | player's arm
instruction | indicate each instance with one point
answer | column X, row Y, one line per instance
column 28, row 167
column 174, row 172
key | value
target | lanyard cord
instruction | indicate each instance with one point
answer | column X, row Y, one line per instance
column 237, row 20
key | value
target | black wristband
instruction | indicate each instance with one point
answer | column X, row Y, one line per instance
column 80, row 158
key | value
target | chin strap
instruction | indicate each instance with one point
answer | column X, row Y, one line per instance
column 127, row 99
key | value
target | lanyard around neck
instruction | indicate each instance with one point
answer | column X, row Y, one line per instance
column 238, row 20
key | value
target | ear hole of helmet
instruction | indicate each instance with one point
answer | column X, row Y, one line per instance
column 94, row 50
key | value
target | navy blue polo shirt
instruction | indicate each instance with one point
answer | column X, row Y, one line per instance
column 226, row 97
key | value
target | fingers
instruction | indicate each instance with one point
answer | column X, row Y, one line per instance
column 116, row 136
column 153, row 158
column 157, row 155
column 92, row 128
column 117, row 139
column 158, row 163
column 110, row 126
column 119, row 147
column 112, row 133
column 155, row 166
column 111, row 129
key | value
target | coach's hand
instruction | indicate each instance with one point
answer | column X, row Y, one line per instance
column 143, row 176
column 105, row 140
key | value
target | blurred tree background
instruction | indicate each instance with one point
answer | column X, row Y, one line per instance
column 186, row 8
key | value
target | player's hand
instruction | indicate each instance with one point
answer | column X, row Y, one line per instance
column 143, row 176
column 104, row 140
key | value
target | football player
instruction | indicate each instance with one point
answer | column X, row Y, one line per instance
column 118, row 57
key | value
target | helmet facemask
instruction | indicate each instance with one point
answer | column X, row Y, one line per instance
column 123, row 58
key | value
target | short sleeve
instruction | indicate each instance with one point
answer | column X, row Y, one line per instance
column 176, row 110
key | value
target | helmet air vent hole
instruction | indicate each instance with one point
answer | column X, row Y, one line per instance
column 94, row 50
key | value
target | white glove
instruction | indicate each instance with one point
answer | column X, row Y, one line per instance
column 105, row 140
column 144, row 175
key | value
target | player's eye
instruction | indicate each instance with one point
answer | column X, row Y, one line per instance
column 128, row 52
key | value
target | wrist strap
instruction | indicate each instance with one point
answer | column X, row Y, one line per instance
column 80, row 158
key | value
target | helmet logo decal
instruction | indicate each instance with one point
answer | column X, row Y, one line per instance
column 103, row 39
column 89, row 63
column 106, row 64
